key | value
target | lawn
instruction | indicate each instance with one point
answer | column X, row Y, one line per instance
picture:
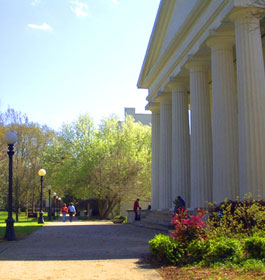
column 23, row 228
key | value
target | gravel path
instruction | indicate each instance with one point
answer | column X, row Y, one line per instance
column 79, row 250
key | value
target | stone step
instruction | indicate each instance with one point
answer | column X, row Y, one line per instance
column 152, row 225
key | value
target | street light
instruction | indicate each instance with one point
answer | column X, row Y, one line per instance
column 54, row 205
column 59, row 206
column 49, row 214
column 41, row 173
column 10, row 139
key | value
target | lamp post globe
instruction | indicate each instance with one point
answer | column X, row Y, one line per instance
column 10, row 139
column 41, row 173
column 49, row 214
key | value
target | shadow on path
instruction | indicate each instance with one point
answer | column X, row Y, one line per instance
column 81, row 241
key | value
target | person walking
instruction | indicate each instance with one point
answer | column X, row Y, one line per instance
column 71, row 210
column 64, row 210
column 136, row 207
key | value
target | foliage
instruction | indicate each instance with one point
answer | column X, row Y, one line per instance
column 32, row 140
column 223, row 250
column 111, row 164
column 232, row 218
column 188, row 227
column 200, row 242
column 166, row 249
column 255, row 247
column 196, row 250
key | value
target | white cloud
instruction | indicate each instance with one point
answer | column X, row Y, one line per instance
column 35, row 2
column 43, row 26
column 114, row 3
column 79, row 8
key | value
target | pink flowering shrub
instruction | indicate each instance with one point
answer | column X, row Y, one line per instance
column 188, row 227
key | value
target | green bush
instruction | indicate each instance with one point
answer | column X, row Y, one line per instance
column 223, row 250
column 254, row 265
column 196, row 250
column 166, row 250
column 241, row 218
column 255, row 247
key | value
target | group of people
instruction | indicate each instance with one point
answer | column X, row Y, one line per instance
column 70, row 209
column 179, row 206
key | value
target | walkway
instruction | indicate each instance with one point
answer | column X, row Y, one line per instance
column 79, row 251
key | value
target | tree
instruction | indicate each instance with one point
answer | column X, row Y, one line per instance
column 123, row 170
column 111, row 164
column 32, row 140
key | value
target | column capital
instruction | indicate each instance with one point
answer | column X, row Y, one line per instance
column 198, row 63
column 221, row 39
column 177, row 83
column 164, row 96
column 247, row 13
column 153, row 106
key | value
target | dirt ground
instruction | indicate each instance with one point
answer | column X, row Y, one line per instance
column 195, row 273
column 79, row 251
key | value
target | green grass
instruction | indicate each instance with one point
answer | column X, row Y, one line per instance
column 23, row 228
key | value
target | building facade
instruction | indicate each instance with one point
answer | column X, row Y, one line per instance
column 145, row 119
column 206, row 57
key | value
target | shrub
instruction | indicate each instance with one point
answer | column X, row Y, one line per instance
column 196, row 250
column 255, row 247
column 166, row 250
column 188, row 228
column 254, row 265
column 237, row 217
column 223, row 250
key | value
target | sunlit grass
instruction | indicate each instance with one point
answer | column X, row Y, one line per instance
column 23, row 228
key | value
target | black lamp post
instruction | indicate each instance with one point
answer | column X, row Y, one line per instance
column 59, row 206
column 41, row 173
column 49, row 214
column 54, row 205
column 10, row 139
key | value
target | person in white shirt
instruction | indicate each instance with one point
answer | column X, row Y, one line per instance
column 71, row 210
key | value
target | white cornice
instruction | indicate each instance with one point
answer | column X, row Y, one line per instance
column 157, row 37
column 187, row 40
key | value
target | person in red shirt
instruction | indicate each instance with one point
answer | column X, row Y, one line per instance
column 64, row 211
column 136, row 207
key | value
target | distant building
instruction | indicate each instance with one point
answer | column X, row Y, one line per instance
column 143, row 118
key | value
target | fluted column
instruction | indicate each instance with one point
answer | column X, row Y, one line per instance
column 180, row 141
column 251, row 102
column 155, row 155
column 165, row 152
column 201, row 134
column 225, row 120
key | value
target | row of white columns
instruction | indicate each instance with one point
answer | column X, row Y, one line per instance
column 224, row 157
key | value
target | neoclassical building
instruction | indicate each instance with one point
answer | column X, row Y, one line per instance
column 204, row 71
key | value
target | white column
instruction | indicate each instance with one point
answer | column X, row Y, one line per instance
column 155, row 156
column 180, row 141
column 201, row 134
column 225, row 120
column 165, row 152
column 251, row 103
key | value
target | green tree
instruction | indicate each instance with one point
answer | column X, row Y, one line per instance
column 111, row 163
column 32, row 140
column 123, row 169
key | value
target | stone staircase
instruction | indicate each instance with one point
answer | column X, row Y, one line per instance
column 155, row 219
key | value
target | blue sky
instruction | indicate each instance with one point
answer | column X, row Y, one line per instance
column 63, row 58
